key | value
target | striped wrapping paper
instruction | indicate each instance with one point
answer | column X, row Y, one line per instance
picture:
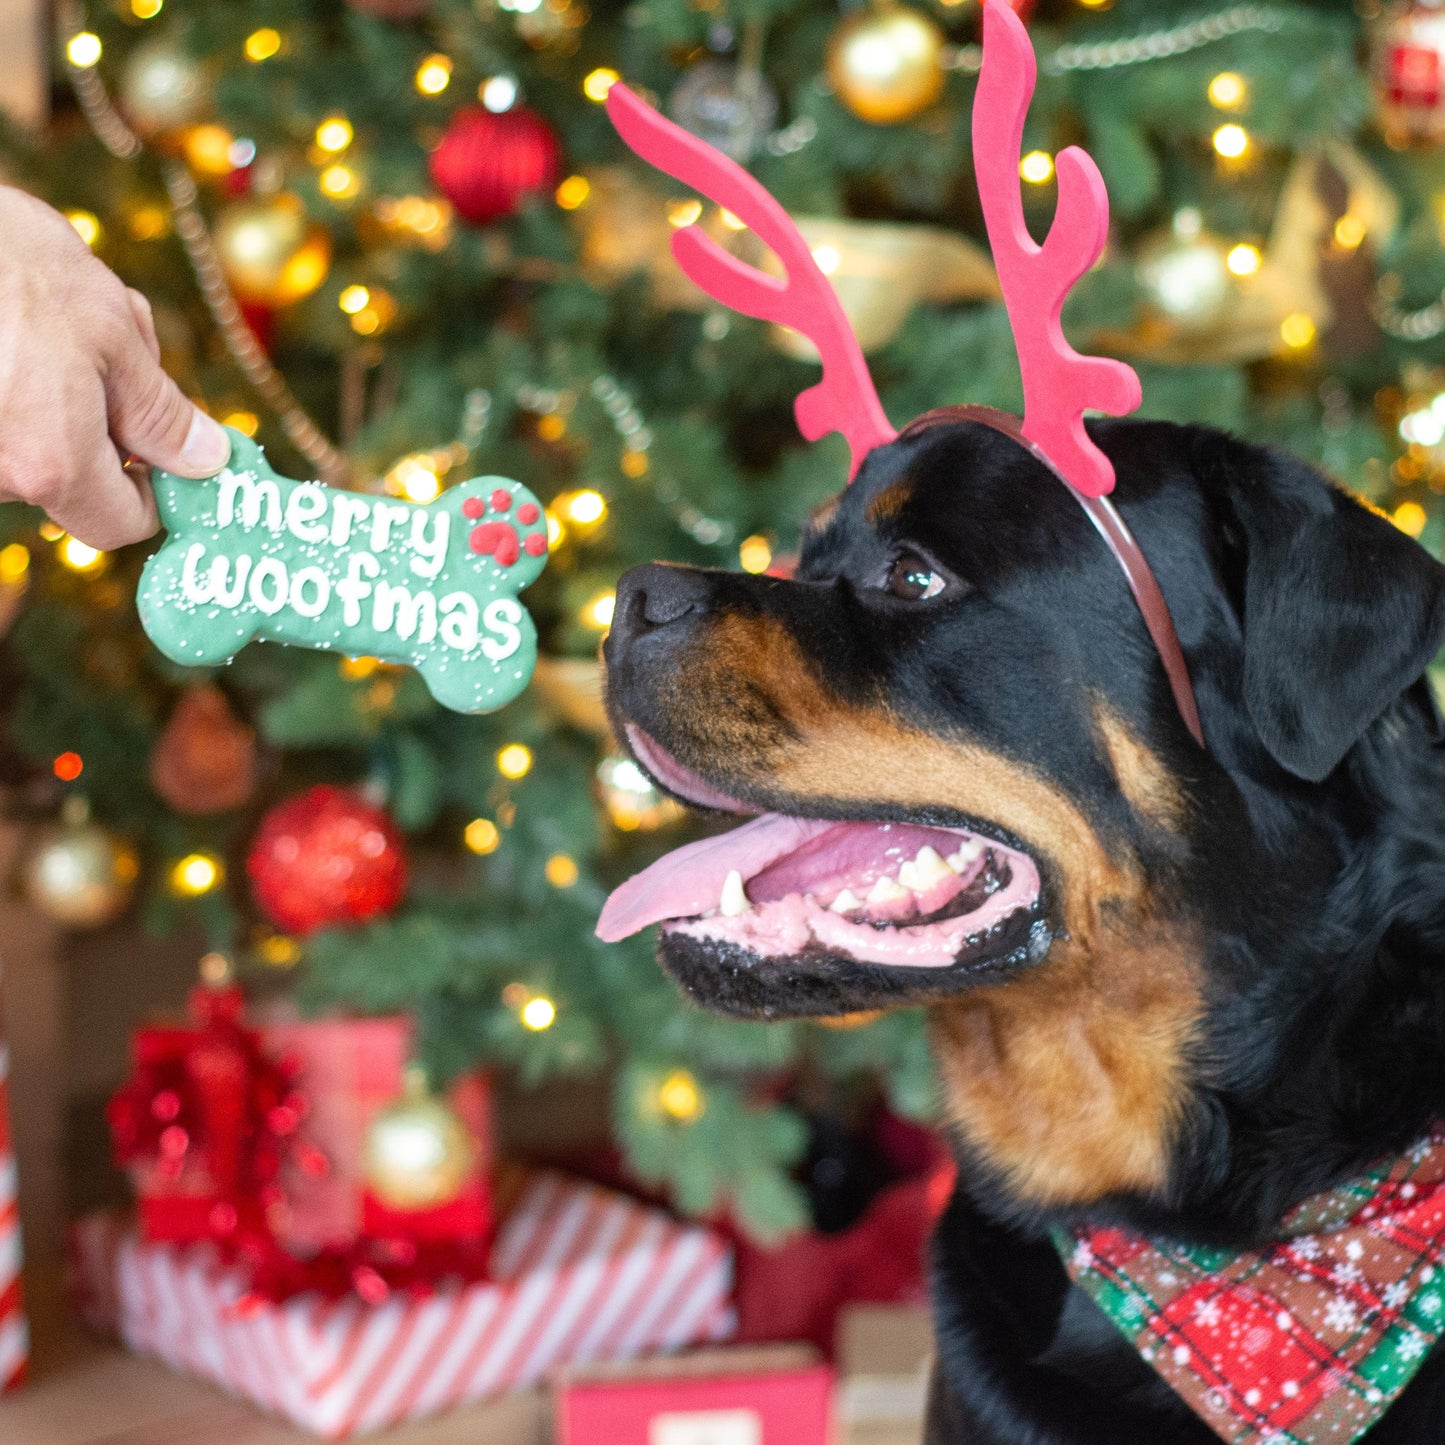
column 579, row 1274
column 14, row 1332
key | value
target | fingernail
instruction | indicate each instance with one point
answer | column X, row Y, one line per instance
column 207, row 447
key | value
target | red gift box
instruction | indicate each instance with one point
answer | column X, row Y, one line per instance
column 578, row 1274
column 717, row 1397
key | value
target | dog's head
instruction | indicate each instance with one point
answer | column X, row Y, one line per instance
column 972, row 787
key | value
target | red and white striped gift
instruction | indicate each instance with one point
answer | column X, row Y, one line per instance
column 579, row 1274
column 14, row 1333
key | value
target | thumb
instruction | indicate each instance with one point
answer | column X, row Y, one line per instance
column 149, row 416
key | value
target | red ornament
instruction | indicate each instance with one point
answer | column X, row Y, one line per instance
column 485, row 164
column 1409, row 67
column 326, row 857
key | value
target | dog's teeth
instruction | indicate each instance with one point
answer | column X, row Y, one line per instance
column 930, row 869
column 909, row 876
column 887, row 890
column 734, row 901
column 846, row 902
column 969, row 852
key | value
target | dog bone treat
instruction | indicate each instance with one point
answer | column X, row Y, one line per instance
column 255, row 555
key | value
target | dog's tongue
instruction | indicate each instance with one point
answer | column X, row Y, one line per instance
column 689, row 881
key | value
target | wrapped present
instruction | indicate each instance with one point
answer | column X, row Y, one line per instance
column 578, row 1274
column 14, row 1333
column 884, row 1357
column 778, row 1395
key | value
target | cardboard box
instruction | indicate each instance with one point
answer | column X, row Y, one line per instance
column 885, row 1356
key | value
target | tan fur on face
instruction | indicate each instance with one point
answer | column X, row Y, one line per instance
column 1071, row 1079
column 888, row 503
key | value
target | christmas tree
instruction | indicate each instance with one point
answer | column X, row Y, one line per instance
column 398, row 242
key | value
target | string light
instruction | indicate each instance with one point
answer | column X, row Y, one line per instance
column 1227, row 91
column 208, row 150
column 573, row 192
column 353, row 299
column 434, row 74
column 146, row 9
column 598, row 612
column 556, row 532
column 683, row 213
column 482, row 836
column 245, row 422
column 755, row 554
column 561, row 871
column 1410, row 518
column 551, row 428
column 84, row 50
column 68, row 767
column 732, row 222
column 1243, row 259
column 415, row 478
column 1037, row 168
column 586, row 507
column 149, row 223
column 87, row 226
column 353, row 669
column 1231, row 141
column 262, row 44
column 339, row 183
column 598, row 82
column 1349, row 232
column 679, row 1097
column 195, row 874
column 538, row 1013
column 276, row 950
column 81, row 557
column 634, row 464
column 334, row 134
column 14, row 563
column 51, row 532
column 514, row 761
column 828, row 259
column 1297, row 330
column 498, row 94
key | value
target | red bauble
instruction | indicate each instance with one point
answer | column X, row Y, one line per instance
column 326, row 857
column 1408, row 44
column 485, row 164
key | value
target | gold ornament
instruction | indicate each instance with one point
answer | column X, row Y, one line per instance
column 1185, row 272
column 79, row 873
column 418, row 1154
column 271, row 251
column 164, row 90
column 884, row 63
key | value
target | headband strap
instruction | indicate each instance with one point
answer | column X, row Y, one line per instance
column 1120, row 540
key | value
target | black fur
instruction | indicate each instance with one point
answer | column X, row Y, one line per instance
column 1311, row 861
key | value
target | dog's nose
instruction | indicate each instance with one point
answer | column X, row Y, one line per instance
column 656, row 595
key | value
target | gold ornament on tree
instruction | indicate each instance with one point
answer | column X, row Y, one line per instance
column 205, row 758
column 270, row 251
column 1185, row 273
column 417, row 1154
column 884, row 63
column 78, row 873
column 164, row 90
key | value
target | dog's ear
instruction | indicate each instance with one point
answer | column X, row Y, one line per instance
column 1342, row 612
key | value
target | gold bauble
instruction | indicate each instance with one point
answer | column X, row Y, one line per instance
column 164, row 90
column 418, row 1154
column 271, row 251
column 1184, row 271
column 79, row 873
column 884, row 63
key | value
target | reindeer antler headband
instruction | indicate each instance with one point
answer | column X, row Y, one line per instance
column 1059, row 383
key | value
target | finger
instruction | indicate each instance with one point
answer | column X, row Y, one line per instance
column 151, row 417
column 100, row 503
column 145, row 319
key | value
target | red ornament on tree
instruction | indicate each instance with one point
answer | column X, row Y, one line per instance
column 1409, row 66
column 326, row 857
column 485, row 164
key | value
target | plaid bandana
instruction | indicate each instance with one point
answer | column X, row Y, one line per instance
column 1305, row 1341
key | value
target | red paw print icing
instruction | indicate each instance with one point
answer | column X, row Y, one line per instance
column 498, row 538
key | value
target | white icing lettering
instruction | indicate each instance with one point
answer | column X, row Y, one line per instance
column 347, row 511
column 273, row 571
column 501, row 617
column 310, row 577
column 460, row 621
column 305, row 504
column 252, row 493
column 225, row 590
column 352, row 590
column 431, row 551
column 383, row 516
column 192, row 589
column 396, row 609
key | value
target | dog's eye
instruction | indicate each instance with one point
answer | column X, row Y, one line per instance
column 913, row 579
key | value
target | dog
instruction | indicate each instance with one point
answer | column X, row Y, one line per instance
column 1169, row 989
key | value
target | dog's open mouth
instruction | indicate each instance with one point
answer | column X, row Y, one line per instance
column 898, row 893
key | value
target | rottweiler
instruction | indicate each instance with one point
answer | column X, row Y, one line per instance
column 1170, row 989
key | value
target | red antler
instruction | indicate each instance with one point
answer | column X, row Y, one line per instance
column 844, row 400
column 1058, row 382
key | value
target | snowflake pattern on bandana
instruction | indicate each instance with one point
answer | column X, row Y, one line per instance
column 1306, row 1341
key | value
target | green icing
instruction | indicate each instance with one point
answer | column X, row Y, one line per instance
column 254, row 555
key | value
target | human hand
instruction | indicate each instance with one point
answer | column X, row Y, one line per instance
column 81, row 385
